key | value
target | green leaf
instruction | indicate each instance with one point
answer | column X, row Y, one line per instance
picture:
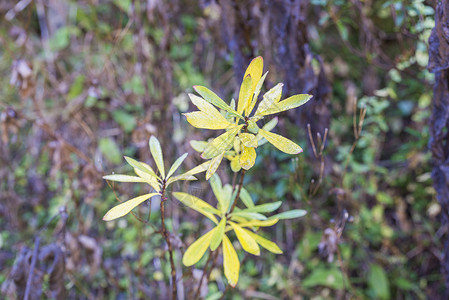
column 249, row 215
column 289, row 103
column 215, row 183
column 212, row 98
column 195, row 251
column 264, row 208
column 291, row 214
column 246, row 198
column 218, row 235
column 252, row 127
column 197, row 204
column 214, row 163
column 125, row 207
column 176, row 165
column 156, row 152
column 189, row 174
column 248, row 243
column 267, row 244
column 244, row 94
column 324, row 277
column 77, row 87
column 125, row 120
column 280, row 142
column 231, row 262
column 140, row 166
column 221, row 143
column 378, row 282
column 110, row 150
column 123, row 178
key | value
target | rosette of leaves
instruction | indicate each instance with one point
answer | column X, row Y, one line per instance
column 234, row 154
column 243, row 222
column 241, row 123
column 158, row 182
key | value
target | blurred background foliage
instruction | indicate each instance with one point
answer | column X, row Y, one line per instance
column 85, row 82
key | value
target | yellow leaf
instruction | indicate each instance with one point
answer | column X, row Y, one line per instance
column 259, row 223
column 221, row 143
column 271, row 97
column 218, row 235
column 235, row 164
column 247, row 158
column 248, row 139
column 125, row 207
column 198, row 146
column 231, row 262
column 204, row 120
column 195, row 251
column 156, row 152
column 267, row 244
column 256, row 94
column 248, row 243
column 255, row 70
column 197, row 204
column 280, row 142
column 214, row 163
column 244, row 94
column 289, row 103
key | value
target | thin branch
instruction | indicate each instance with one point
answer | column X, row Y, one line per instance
column 33, row 265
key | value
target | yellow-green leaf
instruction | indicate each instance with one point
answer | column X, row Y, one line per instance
column 205, row 106
column 235, row 164
column 197, row 204
column 252, row 127
column 246, row 198
column 248, row 243
column 151, row 180
column 264, row 208
column 176, row 165
column 267, row 244
column 123, row 178
column 247, row 158
column 248, row 215
column 218, row 235
column 212, row 98
column 125, row 207
column 256, row 94
column 189, row 174
column 221, row 143
column 156, row 152
column 289, row 103
column 214, row 163
column 271, row 97
column 198, row 146
column 195, row 251
column 248, row 139
column 280, row 142
column 244, row 94
column 217, row 188
column 141, row 166
column 259, row 223
column 204, row 120
column 231, row 262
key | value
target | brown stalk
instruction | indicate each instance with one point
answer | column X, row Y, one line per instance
column 167, row 240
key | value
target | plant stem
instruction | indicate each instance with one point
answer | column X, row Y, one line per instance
column 167, row 240
column 238, row 191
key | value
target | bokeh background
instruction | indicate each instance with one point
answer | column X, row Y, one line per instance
column 85, row 82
